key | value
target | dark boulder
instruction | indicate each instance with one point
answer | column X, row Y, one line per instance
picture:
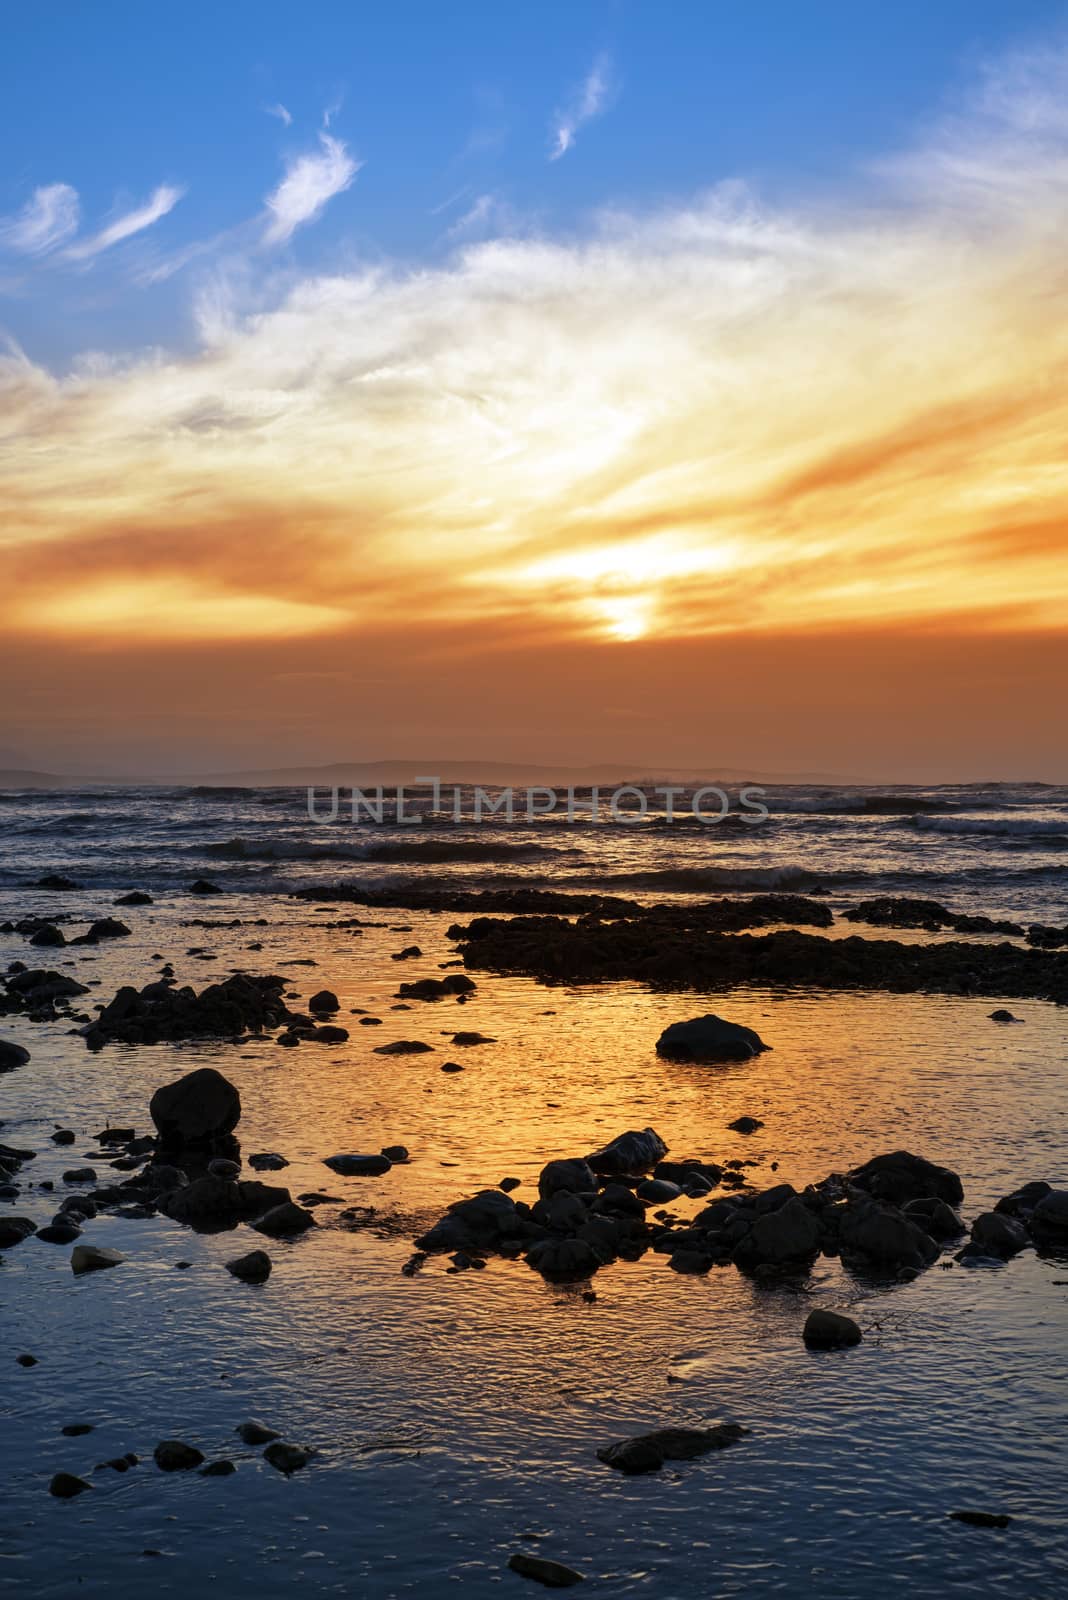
column 12, row 1055
column 830, row 1330
column 200, row 1109
column 899, row 1177
column 709, row 1038
column 629, row 1155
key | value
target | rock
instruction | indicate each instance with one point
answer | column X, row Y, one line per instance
column 136, row 897
column 75, row 1430
column 218, row 1469
column 267, row 1161
column 657, row 1191
column 80, row 1175
column 709, row 1038
column 14, row 1229
column 65, row 1486
column 485, row 1219
column 256, row 1433
column 1050, row 1216
column 508, row 1184
column 935, row 1218
column 631, row 1154
column 550, row 1573
column 171, row 1455
column 647, row 1452
column 403, row 1047
column 982, row 1519
column 395, row 1152
column 1002, row 1015
column 199, row 1109
column 210, row 1203
column 999, row 1235
column 789, row 1233
column 63, row 1136
column 59, row 1232
column 330, row 1034
column 221, row 1168
column 575, row 1175
column 745, row 1124
column 253, row 1268
column 690, row 1261
column 202, row 886
column 469, row 1039
column 451, row 1066
column 830, row 1330
column 26, row 1360
column 1022, row 1202
column 457, row 983
column 900, row 1177
column 324, row 1000
column 563, row 1260
column 12, row 1056
column 238, row 1005
column 107, row 928
column 90, row 1258
column 55, row 880
column 284, row 1220
column 357, row 1166
column 287, row 1458
column 885, row 1237
column 47, row 936
column 408, row 953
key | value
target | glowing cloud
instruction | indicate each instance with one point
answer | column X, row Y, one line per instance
column 310, row 183
column 48, row 218
column 162, row 200
column 722, row 418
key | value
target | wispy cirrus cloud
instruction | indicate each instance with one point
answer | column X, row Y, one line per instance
column 162, row 200
column 591, row 99
column 284, row 115
column 311, row 181
column 48, row 219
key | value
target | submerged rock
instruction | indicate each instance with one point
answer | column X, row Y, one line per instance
column 239, row 1004
column 90, row 1258
column 999, row 1235
column 256, row 1433
column 287, row 1458
column 830, row 1330
column 284, row 1220
column 64, row 1486
column 551, row 1573
column 172, row 1455
column 12, row 1055
column 647, row 1452
column 403, row 1047
column 253, row 1268
column 359, row 1166
column 709, row 1038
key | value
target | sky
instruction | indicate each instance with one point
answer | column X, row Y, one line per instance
column 546, row 383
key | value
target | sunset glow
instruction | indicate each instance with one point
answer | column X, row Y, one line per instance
column 727, row 416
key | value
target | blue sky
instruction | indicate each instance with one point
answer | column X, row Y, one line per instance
column 448, row 122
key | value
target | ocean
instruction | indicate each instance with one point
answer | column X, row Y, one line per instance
column 456, row 1415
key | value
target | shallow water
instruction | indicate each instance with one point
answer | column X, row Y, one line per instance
column 457, row 1415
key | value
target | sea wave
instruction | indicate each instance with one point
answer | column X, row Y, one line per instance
column 1009, row 827
column 430, row 851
